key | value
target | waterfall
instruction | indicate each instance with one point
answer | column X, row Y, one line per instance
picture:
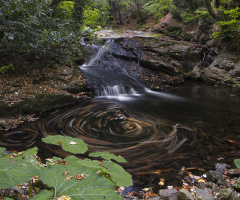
column 116, row 92
column 108, row 77
column 98, row 52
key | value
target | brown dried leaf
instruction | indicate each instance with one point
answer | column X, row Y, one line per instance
column 65, row 173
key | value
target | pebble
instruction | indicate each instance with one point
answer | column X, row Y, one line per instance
column 218, row 187
column 184, row 194
column 203, row 194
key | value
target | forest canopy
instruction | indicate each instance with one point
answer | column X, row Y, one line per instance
column 53, row 28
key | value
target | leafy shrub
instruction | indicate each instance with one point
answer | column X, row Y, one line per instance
column 230, row 24
column 71, row 178
column 7, row 69
column 159, row 7
column 30, row 28
column 65, row 9
column 237, row 163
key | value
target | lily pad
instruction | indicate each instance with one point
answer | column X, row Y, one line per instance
column 107, row 156
column 72, row 145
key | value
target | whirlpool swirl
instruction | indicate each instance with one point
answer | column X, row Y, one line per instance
column 145, row 141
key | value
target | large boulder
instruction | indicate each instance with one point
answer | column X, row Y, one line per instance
column 224, row 70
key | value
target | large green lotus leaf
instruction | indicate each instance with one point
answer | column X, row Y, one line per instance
column 93, row 186
column 87, row 165
column 53, row 176
column 2, row 149
column 28, row 156
column 72, row 145
column 238, row 183
column 117, row 174
column 44, row 194
column 237, row 163
column 6, row 198
column 107, row 156
column 15, row 172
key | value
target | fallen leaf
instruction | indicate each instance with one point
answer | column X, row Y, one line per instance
column 79, row 176
column 65, row 173
column 69, row 177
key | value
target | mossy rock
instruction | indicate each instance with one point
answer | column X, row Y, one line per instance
column 38, row 104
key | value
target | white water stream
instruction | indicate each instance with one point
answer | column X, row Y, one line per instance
column 110, row 81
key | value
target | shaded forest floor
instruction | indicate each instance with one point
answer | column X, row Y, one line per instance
column 35, row 90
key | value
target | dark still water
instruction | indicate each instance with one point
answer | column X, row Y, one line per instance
column 157, row 132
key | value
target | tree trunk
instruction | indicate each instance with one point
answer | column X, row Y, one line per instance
column 139, row 12
column 119, row 14
column 212, row 8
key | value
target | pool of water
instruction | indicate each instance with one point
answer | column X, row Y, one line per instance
column 158, row 133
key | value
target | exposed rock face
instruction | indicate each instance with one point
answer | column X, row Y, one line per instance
column 165, row 61
column 225, row 69
column 174, row 60
column 168, row 55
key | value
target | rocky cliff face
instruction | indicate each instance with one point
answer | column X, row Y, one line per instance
column 163, row 60
column 166, row 61
column 225, row 69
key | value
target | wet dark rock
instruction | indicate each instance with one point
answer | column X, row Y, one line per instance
column 201, row 185
column 125, row 53
column 154, row 198
column 215, row 188
column 224, row 69
column 220, row 167
column 128, row 197
column 203, row 194
column 226, row 194
column 234, row 171
column 184, row 195
column 168, row 192
column 5, row 126
column 214, row 176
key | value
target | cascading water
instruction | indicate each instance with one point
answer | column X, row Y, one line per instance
column 108, row 77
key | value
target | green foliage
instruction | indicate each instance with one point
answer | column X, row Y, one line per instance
column 7, row 69
column 44, row 194
column 230, row 24
column 1, row 151
column 65, row 9
column 96, row 13
column 69, row 144
column 14, row 172
column 72, row 177
column 29, row 28
column 107, row 156
column 159, row 7
column 237, row 163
